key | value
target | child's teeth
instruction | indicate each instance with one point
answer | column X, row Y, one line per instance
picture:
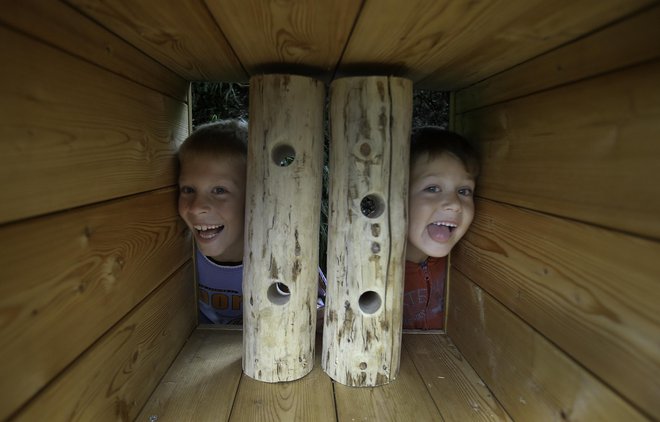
column 204, row 227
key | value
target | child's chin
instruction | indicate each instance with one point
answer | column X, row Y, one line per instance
column 438, row 251
column 208, row 251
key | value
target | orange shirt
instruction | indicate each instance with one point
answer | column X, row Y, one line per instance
column 424, row 294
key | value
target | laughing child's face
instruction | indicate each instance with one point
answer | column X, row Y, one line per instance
column 441, row 206
column 212, row 203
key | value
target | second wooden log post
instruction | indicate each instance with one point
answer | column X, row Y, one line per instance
column 369, row 155
column 283, row 197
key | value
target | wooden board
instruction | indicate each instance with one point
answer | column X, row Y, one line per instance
column 507, row 33
column 455, row 388
column 68, row 278
column 614, row 47
column 305, row 399
column 397, row 401
column 58, row 24
column 446, row 45
column 72, row 133
column 587, row 151
column 201, row 384
column 114, row 378
column 587, row 289
column 301, row 37
column 533, row 379
column 181, row 35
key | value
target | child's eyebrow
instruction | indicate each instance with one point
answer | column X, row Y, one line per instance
column 228, row 181
column 434, row 177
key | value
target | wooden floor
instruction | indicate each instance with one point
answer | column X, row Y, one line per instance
column 205, row 383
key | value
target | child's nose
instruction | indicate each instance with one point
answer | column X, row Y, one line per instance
column 199, row 204
column 451, row 202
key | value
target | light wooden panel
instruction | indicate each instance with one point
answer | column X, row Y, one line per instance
column 306, row 399
column 450, row 44
column 456, row 389
column 587, row 151
column 202, row 385
column 593, row 292
column 617, row 46
column 69, row 277
column 58, row 24
column 72, row 133
column 114, row 378
column 202, row 382
column 533, row 379
column 181, row 35
column 396, row 401
column 305, row 37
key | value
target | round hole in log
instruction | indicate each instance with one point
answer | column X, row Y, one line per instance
column 283, row 155
column 278, row 293
column 372, row 206
column 365, row 149
column 369, row 302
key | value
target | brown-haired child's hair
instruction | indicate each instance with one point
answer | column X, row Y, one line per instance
column 219, row 138
column 435, row 141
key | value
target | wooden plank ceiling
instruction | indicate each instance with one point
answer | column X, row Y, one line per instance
column 439, row 44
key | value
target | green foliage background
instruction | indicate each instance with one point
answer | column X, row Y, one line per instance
column 223, row 100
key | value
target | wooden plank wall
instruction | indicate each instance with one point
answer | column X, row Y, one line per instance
column 96, row 295
column 555, row 289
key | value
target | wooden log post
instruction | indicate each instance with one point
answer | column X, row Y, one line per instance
column 369, row 155
column 283, row 196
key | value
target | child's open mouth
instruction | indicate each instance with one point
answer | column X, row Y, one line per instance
column 208, row 232
column 441, row 231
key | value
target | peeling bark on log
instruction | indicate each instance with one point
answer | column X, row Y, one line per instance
column 285, row 161
column 369, row 156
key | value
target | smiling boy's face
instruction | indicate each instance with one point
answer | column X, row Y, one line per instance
column 212, row 203
column 441, row 206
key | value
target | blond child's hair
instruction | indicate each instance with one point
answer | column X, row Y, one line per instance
column 215, row 139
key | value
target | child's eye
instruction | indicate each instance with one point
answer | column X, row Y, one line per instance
column 432, row 189
column 186, row 189
column 465, row 191
column 218, row 190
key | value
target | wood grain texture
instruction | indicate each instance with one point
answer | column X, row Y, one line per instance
column 446, row 45
column 455, row 388
column 369, row 153
column 404, row 398
column 533, row 379
column 201, row 384
column 617, row 46
column 305, row 37
column 283, row 208
column 58, row 24
column 306, row 399
column 94, row 265
column 181, row 35
column 72, row 133
column 113, row 379
column 586, row 151
column 507, row 33
column 592, row 292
